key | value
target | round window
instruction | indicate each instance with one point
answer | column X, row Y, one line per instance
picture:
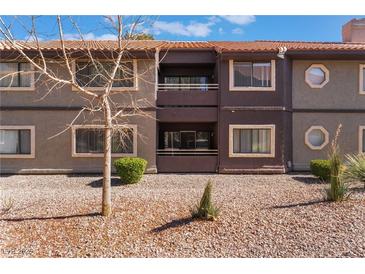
column 317, row 76
column 316, row 137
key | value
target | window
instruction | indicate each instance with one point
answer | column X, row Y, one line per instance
column 187, row 139
column 95, row 76
column 188, row 82
column 252, row 140
column 16, row 76
column 317, row 76
column 362, row 139
column 89, row 141
column 252, row 75
column 16, row 142
column 316, row 137
column 362, row 79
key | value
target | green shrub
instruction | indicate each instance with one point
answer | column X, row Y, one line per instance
column 355, row 168
column 130, row 169
column 206, row 209
column 321, row 169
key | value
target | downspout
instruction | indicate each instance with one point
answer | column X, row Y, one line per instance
column 218, row 64
column 157, row 62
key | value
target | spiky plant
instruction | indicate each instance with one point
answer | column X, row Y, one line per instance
column 338, row 189
column 355, row 168
column 206, row 209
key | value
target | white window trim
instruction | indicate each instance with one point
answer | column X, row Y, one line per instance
column 361, row 79
column 32, row 86
column 73, row 142
column 326, row 75
column 32, row 143
column 234, row 88
column 252, row 155
column 114, row 89
column 326, row 137
column 361, row 132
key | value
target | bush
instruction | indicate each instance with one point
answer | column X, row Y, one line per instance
column 355, row 168
column 321, row 169
column 130, row 169
column 205, row 209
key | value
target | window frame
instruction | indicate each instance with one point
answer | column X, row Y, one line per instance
column 32, row 142
column 252, row 155
column 326, row 76
column 361, row 136
column 361, row 79
column 232, row 87
column 32, row 77
column 92, row 155
column 326, row 137
column 114, row 89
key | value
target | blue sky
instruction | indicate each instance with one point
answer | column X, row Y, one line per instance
column 305, row 28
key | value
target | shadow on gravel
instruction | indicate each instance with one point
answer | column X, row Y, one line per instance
column 99, row 182
column 51, row 218
column 310, row 180
column 172, row 224
column 301, row 204
column 358, row 189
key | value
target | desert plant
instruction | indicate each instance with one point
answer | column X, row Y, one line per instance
column 355, row 168
column 206, row 209
column 321, row 169
column 338, row 189
column 7, row 203
column 130, row 169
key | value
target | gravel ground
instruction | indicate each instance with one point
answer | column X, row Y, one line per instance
column 261, row 216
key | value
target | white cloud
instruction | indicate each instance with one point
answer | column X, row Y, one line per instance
column 237, row 31
column 221, row 31
column 239, row 19
column 90, row 36
column 192, row 29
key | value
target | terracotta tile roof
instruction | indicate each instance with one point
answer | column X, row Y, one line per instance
column 230, row 46
column 262, row 46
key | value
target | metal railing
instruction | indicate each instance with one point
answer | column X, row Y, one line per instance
column 188, row 152
column 196, row 87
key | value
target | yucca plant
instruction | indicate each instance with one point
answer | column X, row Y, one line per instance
column 338, row 189
column 355, row 168
column 206, row 209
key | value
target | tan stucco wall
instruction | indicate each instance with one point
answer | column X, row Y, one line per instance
column 55, row 154
column 65, row 97
column 341, row 92
column 348, row 139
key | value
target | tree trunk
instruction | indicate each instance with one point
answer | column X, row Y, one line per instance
column 106, row 201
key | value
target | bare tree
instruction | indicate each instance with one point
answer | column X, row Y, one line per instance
column 111, row 72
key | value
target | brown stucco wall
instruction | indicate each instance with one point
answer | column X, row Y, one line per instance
column 55, row 155
column 341, row 92
column 63, row 96
column 348, row 139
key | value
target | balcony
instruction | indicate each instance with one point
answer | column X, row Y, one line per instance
column 187, row 94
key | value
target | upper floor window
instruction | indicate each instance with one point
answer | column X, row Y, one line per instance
column 317, row 76
column 252, row 75
column 16, row 141
column 187, row 82
column 96, row 75
column 252, row 140
column 15, row 76
column 89, row 141
column 362, row 79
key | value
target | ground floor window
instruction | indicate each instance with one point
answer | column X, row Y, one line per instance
column 89, row 140
column 16, row 141
column 187, row 139
column 252, row 140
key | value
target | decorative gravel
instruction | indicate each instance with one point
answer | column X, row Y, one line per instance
column 260, row 216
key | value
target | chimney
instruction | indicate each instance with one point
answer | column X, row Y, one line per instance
column 354, row 31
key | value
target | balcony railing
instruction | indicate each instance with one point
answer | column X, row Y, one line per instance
column 195, row 87
column 189, row 152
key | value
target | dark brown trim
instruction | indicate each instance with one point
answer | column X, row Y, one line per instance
column 311, row 110
column 260, row 108
column 46, row 108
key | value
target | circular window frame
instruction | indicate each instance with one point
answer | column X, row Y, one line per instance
column 326, row 137
column 326, row 75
